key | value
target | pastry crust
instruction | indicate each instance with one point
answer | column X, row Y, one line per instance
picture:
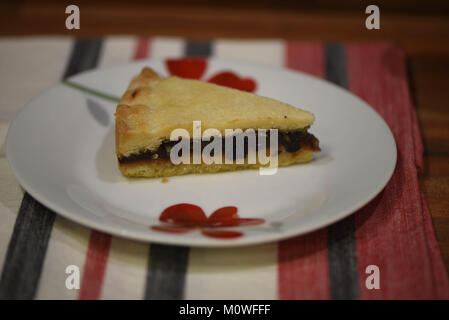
column 164, row 168
column 131, row 119
column 152, row 108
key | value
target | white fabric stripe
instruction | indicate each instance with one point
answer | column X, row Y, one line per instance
column 29, row 66
column 67, row 246
column 126, row 271
column 234, row 273
column 10, row 199
column 269, row 52
column 117, row 50
column 163, row 47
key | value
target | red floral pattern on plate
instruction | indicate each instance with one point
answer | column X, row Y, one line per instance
column 230, row 79
column 185, row 217
column 194, row 68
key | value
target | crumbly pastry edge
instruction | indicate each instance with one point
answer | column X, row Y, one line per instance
column 145, row 80
column 126, row 110
column 133, row 119
column 164, row 168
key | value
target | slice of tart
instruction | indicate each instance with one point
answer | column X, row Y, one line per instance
column 152, row 108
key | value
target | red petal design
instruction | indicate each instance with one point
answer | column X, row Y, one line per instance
column 192, row 68
column 184, row 214
column 172, row 229
column 222, row 234
column 250, row 221
column 223, row 217
column 231, row 80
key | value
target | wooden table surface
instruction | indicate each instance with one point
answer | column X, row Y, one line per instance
column 422, row 31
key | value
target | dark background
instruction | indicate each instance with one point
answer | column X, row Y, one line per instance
column 421, row 28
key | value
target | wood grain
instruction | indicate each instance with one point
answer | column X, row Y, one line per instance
column 420, row 29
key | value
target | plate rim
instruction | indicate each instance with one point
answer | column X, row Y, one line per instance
column 161, row 238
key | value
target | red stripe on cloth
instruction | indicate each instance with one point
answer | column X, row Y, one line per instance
column 419, row 148
column 95, row 265
column 394, row 231
column 305, row 57
column 142, row 48
column 100, row 243
column 303, row 271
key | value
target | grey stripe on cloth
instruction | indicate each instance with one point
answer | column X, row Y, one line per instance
column 34, row 223
column 166, row 272
column 26, row 250
column 168, row 264
column 85, row 56
column 341, row 240
column 198, row 48
column 336, row 64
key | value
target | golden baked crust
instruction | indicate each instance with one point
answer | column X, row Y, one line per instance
column 164, row 168
column 152, row 108
column 132, row 119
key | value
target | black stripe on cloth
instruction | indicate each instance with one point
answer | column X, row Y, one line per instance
column 167, row 265
column 34, row 223
column 85, row 56
column 198, row 48
column 341, row 242
column 166, row 272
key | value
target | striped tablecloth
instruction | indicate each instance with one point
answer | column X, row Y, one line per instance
column 393, row 232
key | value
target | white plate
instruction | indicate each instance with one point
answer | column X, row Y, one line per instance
column 61, row 148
